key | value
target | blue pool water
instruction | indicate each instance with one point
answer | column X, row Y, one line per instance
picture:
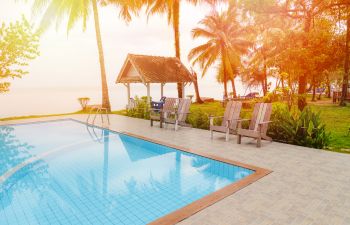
column 86, row 175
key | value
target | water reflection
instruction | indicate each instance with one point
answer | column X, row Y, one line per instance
column 14, row 152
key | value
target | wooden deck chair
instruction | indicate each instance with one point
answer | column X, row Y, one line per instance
column 258, row 124
column 180, row 116
column 229, row 120
column 169, row 107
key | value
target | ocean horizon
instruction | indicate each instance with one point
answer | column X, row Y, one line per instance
column 21, row 101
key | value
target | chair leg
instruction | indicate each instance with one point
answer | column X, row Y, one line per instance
column 258, row 144
column 227, row 135
column 176, row 125
column 151, row 123
column 239, row 139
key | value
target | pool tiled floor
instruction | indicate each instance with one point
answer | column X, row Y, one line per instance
column 307, row 186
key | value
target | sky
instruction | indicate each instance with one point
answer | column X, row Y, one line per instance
column 72, row 60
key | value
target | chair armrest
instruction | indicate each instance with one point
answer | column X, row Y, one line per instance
column 265, row 122
column 214, row 117
column 239, row 122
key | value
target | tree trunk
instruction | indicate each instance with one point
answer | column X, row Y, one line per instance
column 196, row 87
column 105, row 95
column 176, row 25
column 225, row 75
column 302, row 82
column 346, row 64
column 328, row 82
column 313, row 89
column 233, row 88
column 265, row 78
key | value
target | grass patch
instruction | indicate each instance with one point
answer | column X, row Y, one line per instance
column 35, row 116
column 337, row 120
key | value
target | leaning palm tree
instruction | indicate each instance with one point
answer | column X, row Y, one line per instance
column 75, row 10
column 225, row 43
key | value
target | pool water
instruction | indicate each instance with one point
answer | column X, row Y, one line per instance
column 88, row 175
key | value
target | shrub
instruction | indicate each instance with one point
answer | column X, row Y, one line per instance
column 299, row 128
column 141, row 109
column 198, row 119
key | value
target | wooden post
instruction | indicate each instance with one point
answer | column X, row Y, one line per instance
column 183, row 90
column 162, row 89
column 129, row 95
column 148, row 85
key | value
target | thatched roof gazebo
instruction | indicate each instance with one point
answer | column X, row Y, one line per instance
column 153, row 69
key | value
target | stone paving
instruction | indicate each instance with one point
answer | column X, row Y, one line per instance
column 307, row 186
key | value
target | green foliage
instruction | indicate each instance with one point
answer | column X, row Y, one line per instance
column 199, row 119
column 18, row 45
column 299, row 128
column 141, row 109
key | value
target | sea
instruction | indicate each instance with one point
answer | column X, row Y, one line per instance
column 57, row 100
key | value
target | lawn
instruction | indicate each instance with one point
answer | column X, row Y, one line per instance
column 337, row 120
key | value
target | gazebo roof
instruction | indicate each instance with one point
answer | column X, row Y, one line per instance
column 153, row 69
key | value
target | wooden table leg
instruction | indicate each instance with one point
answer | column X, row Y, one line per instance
column 161, row 120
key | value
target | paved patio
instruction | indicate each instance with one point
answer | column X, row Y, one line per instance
column 307, row 186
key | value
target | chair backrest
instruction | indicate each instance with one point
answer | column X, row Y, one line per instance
column 183, row 109
column 261, row 113
column 227, row 114
column 169, row 104
column 235, row 114
column 232, row 113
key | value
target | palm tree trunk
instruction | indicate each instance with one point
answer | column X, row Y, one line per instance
column 265, row 78
column 233, row 88
column 176, row 25
column 196, row 87
column 105, row 95
column 225, row 75
column 346, row 64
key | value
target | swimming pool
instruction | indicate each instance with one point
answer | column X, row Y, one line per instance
column 65, row 172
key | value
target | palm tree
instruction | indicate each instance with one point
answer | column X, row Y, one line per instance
column 172, row 9
column 74, row 10
column 231, row 77
column 225, row 43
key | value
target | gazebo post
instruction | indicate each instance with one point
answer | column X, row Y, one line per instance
column 162, row 89
column 148, row 85
column 183, row 89
column 128, row 89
